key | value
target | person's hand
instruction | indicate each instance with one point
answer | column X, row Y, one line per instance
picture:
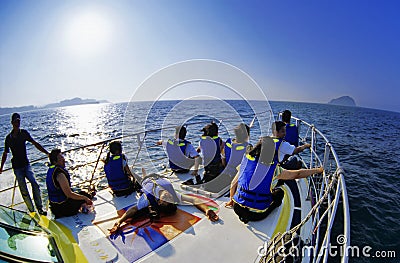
column 211, row 215
column 195, row 172
column 229, row 204
column 159, row 142
column 320, row 170
column 88, row 201
column 115, row 228
column 307, row 145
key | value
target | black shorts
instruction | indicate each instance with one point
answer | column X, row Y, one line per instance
column 68, row 208
column 245, row 215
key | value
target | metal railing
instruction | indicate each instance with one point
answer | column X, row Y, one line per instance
column 328, row 192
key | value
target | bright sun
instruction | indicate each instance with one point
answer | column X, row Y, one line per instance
column 88, row 33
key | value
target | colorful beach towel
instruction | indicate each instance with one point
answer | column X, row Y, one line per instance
column 143, row 235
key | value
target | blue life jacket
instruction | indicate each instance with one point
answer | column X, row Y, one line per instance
column 116, row 177
column 210, row 147
column 254, row 183
column 233, row 155
column 176, row 151
column 54, row 191
column 149, row 187
column 292, row 134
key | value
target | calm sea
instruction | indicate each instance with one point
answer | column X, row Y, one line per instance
column 366, row 141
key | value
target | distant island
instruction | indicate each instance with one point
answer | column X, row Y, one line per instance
column 344, row 101
column 64, row 103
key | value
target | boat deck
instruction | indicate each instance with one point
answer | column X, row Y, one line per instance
column 193, row 239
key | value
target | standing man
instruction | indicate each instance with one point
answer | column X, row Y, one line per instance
column 16, row 141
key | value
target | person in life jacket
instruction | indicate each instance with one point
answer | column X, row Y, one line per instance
column 211, row 146
column 182, row 156
column 251, row 194
column 119, row 176
column 235, row 149
column 63, row 201
column 159, row 198
column 288, row 150
column 292, row 131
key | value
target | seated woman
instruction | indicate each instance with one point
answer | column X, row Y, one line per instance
column 251, row 194
column 182, row 156
column 119, row 176
column 159, row 198
column 235, row 149
column 210, row 147
column 63, row 201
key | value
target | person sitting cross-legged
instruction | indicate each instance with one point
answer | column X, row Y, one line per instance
column 63, row 201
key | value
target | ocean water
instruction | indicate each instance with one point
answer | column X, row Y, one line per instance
column 366, row 141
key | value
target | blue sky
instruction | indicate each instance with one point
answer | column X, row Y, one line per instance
column 309, row 51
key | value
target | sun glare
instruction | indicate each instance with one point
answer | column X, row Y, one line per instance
column 88, row 33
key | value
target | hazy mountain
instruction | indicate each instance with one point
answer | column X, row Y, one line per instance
column 68, row 102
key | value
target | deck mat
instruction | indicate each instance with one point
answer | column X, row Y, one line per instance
column 141, row 235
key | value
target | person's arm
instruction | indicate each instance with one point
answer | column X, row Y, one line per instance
column 196, row 165
column 232, row 190
column 126, row 168
column 299, row 149
column 128, row 171
column 192, row 153
column 3, row 160
column 64, row 185
column 297, row 174
column 211, row 215
column 128, row 214
column 40, row 147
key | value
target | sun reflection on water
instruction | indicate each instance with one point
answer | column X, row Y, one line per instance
column 82, row 125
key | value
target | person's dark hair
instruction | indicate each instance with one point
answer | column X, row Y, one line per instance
column 206, row 129
column 255, row 150
column 242, row 132
column 181, row 132
column 286, row 115
column 168, row 209
column 53, row 156
column 115, row 147
column 213, row 130
column 277, row 125
column 15, row 116
column 264, row 149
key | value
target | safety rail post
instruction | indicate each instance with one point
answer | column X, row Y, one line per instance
column 140, row 144
column 312, row 145
column 326, row 154
column 13, row 194
column 95, row 166
column 311, row 160
column 298, row 124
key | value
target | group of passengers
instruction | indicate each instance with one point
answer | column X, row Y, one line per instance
column 252, row 171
